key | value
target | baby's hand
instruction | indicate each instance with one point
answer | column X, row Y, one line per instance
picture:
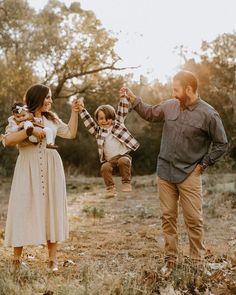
column 37, row 120
column 21, row 125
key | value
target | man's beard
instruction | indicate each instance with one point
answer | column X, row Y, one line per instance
column 183, row 99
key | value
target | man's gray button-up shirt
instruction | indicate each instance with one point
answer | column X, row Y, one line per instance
column 190, row 136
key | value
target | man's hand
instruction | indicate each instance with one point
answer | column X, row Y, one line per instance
column 126, row 92
column 199, row 169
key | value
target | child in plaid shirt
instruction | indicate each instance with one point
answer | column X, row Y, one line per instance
column 114, row 142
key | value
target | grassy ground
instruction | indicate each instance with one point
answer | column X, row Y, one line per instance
column 116, row 245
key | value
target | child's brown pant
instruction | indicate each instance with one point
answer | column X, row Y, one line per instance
column 123, row 162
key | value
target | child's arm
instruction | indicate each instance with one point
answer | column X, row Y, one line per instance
column 123, row 109
column 89, row 122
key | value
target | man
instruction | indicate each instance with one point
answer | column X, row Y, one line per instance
column 191, row 126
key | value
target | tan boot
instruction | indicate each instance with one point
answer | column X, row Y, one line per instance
column 126, row 187
column 110, row 192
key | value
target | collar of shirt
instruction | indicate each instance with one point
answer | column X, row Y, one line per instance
column 194, row 105
column 106, row 131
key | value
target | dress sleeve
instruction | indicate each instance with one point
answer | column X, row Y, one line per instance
column 63, row 130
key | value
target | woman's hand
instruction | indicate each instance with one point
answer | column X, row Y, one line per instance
column 78, row 105
column 39, row 133
column 126, row 92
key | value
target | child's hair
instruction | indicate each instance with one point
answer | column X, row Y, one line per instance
column 108, row 111
column 18, row 107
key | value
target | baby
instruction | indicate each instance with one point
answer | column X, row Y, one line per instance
column 23, row 119
column 114, row 142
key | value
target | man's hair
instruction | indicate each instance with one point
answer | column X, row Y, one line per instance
column 187, row 78
column 108, row 111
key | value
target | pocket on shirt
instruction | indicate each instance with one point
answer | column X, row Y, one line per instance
column 172, row 117
column 195, row 124
column 194, row 129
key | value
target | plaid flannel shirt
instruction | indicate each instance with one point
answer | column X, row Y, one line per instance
column 118, row 130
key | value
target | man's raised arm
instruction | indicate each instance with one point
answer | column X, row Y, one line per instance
column 147, row 112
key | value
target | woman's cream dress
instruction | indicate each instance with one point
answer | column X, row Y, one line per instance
column 37, row 210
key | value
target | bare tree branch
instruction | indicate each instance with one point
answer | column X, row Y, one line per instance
column 66, row 77
column 74, row 92
column 98, row 70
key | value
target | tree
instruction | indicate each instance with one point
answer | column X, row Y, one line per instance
column 15, row 61
column 74, row 50
column 65, row 47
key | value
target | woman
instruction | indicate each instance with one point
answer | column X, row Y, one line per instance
column 37, row 212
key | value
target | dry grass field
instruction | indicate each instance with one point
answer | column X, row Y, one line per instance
column 116, row 245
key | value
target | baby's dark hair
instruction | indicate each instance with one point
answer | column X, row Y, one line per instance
column 108, row 111
column 14, row 108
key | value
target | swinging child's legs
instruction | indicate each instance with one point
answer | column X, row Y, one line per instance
column 106, row 171
column 124, row 165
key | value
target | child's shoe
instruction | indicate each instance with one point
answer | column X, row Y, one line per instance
column 110, row 192
column 126, row 187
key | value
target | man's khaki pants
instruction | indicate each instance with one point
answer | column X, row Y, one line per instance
column 189, row 194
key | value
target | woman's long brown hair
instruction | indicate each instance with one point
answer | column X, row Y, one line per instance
column 34, row 98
